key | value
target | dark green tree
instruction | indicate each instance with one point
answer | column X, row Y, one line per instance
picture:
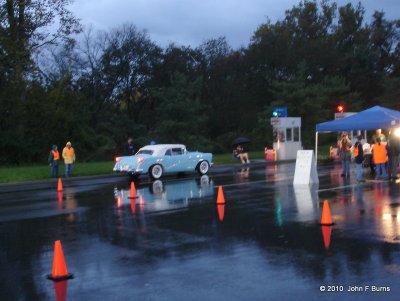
column 24, row 30
column 128, row 67
column 180, row 114
column 230, row 109
column 313, row 102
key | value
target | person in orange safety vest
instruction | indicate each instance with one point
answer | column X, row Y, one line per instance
column 379, row 155
column 54, row 158
column 69, row 158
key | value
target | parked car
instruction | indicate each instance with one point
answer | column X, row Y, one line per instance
column 160, row 159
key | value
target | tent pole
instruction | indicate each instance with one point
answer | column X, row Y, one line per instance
column 316, row 148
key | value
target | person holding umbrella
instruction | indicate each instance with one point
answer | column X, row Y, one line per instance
column 239, row 152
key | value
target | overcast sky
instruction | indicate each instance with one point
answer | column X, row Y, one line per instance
column 190, row 22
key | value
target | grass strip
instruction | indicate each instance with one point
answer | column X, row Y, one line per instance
column 42, row 172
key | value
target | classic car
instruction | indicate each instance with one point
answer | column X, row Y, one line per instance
column 159, row 159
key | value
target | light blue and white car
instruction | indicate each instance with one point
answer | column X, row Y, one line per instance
column 160, row 159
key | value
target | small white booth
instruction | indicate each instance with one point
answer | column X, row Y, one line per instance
column 286, row 137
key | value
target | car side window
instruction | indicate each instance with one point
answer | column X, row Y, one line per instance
column 168, row 153
column 177, row 151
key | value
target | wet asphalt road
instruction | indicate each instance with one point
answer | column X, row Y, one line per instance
column 174, row 243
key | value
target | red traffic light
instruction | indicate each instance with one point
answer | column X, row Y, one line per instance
column 340, row 108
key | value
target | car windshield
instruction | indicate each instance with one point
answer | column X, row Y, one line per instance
column 145, row 152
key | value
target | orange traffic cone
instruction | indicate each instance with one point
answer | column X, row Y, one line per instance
column 326, row 218
column 132, row 192
column 59, row 271
column 59, row 186
column 220, row 196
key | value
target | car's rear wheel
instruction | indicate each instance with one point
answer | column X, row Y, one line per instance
column 156, row 171
column 203, row 167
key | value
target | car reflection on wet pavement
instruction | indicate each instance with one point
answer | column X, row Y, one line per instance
column 160, row 196
column 172, row 242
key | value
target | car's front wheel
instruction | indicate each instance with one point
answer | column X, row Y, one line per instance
column 156, row 171
column 203, row 167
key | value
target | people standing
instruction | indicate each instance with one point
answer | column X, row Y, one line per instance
column 393, row 150
column 54, row 158
column 379, row 156
column 69, row 158
column 358, row 158
column 129, row 148
column 380, row 135
column 344, row 149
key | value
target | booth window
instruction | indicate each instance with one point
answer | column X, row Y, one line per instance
column 296, row 134
column 279, row 134
column 289, row 134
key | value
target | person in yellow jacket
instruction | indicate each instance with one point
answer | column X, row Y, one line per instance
column 68, row 154
column 379, row 156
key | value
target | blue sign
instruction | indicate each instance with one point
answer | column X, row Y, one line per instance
column 279, row 112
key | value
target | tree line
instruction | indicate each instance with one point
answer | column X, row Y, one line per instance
column 96, row 88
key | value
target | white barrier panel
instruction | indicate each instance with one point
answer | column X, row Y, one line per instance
column 306, row 168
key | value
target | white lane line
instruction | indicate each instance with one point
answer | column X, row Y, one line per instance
column 252, row 182
column 336, row 188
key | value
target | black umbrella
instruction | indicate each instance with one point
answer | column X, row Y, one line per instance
column 240, row 140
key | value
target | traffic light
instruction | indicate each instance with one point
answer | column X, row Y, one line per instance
column 275, row 113
column 340, row 108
